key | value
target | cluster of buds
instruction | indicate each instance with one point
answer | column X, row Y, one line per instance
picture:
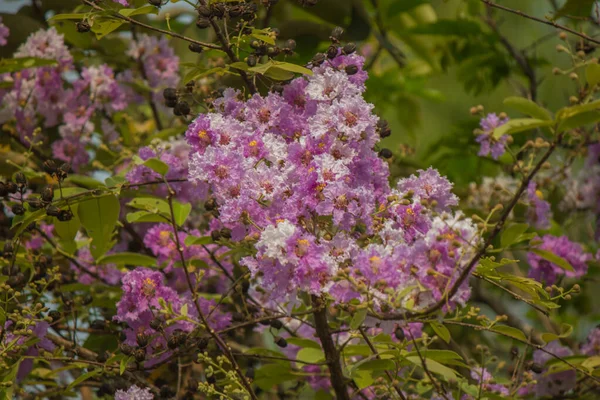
column 228, row 10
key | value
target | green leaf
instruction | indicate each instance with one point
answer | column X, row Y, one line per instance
column 181, row 212
column 265, row 38
column 184, row 310
column 520, row 125
column 123, row 365
column 67, row 230
column 568, row 112
column 358, row 318
column 157, row 166
column 435, row 367
column 104, row 26
column 83, row 378
column 85, row 181
column 512, row 234
column 447, row 27
column 273, row 374
column 130, row 12
column 400, row 6
column 151, row 204
column 99, row 216
column 292, row 68
column 528, row 107
column 126, row 258
column 509, row 331
column 198, row 73
column 592, row 74
column 363, row 379
column 60, row 17
column 565, row 331
column 579, row 120
column 553, row 258
column 145, row 216
column 376, row 365
column 577, row 8
column 441, row 331
column 310, row 355
column 262, row 68
column 306, row 343
column 195, row 240
column 18, row 64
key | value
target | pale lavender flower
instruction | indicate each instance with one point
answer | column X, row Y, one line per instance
column 548, row 272
column 539, row 212
column 134, row 393
column 489, row 144
column 4, row 32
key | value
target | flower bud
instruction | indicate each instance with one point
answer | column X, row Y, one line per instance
column 318, row 59
column 126, row 349
column 336, row 33
column 50, row 167
column 351, row 69
column 140, row 355
column 332, row 52
column 182, row 108
column 18, row 209
column 20, row 179
column 35, row 203
column 11, row 187
column 251, row 60
column 290, row 44
column 276, row 324
column 64, row 215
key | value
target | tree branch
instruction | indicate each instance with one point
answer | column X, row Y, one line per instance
column 338, row 381
column 553, row 24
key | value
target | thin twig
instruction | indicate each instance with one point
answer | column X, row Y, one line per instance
column 553, row 24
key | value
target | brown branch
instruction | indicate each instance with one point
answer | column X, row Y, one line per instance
column 220, row 342
column 518, row 56
column 338, row 381
column 388, row 373
column 152, row 28
column 383, row 39
column 553, row 24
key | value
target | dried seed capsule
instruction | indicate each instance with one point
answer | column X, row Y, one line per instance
column 142, row 339
column 171, row 103
column 205, row 11
column 55, row 315
column 64, row 215
column 351, row 69
column 18, row 209
column 126, row 349
column 332, row 52
column 195, row 48
column 537, row 368
column 290, row 44
column 337, row 33
column 349, row 48
column 47, row 194
column 11, row 187
column 156, row 3
column 276, row 324
column 385, row 153
column 226, row 233
column 140, row 355
column 182, row 108
column 385, row 132
column 211, row 379
column 63, row 170
column 50, row 167
column 251, row 60
column 281, row 342
column 52, row 211
column 170, row 93
column 156, row 324
column 98, row 324
column 202, row 23
column 20, row 179
column 399, row 333
column 35, row 203
column 318, row 59
column 83, row 26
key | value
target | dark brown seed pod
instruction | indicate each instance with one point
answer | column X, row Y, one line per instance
column 385, row 153
column 195, row 48
column 202, row 22
column 83, row 26
column 349, row 48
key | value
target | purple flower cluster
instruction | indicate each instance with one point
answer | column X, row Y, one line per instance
column 4, row 32
column 548, row 272
column 297, row 174
column 175, row 155
column 592, row 345
column 134, row 393
column 539, row 212
column 489, row 144
column 143, row 291
column 551, row 384
column 159, row 61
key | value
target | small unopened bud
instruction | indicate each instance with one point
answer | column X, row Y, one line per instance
column 473, row 111
column 573, row 76
column 202, row 22
column 195, row 48
column 281, row 342
column 83, row 26
column 561, row 49
column 349, row 48
column 562, row 36
column 385, row 153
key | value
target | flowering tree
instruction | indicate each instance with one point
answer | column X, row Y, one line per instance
column 224, row 219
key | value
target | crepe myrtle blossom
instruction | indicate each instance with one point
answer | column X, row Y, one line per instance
column 548, row 272
column 296, row 174
column 143, row 292
column 591, row 347
column 547, row 384
column 4, row 32
column 539, row 212
column 134, row 393
column 489, row 144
